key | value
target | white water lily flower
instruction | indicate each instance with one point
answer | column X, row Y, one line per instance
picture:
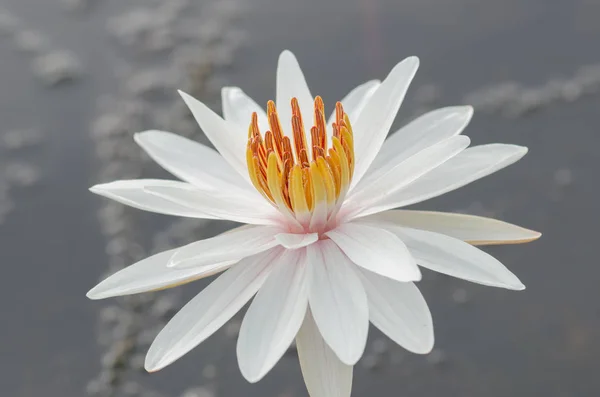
column 324, row 252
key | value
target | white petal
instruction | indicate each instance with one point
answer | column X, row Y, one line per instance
column 209, row 310
column 377, row 250
column 151, row 274
column 375, row 120
column 338, row 301
column 399, row 311
column 219, row 206
column 191, row 161
column 396, row 175
column 355, row 101
column 232, row 245
column 476, row 230
column 425, row 131
column 225, row 136
column 238, row 108
column 456, row 258
column 468, row 166
column 324, row 374
column 274, row 317
column 132, row 192
column 291, row 83
column 294, row 241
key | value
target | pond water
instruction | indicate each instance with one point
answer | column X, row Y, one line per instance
column 80, row 77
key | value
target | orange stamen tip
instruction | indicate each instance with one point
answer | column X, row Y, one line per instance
column 293, row 175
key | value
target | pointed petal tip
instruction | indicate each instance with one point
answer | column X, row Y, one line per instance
column 287, row 60
column 427, row 345
column 354, row 356
column 411, row 62
column 144, row 138
column 517, row 286
column 417, row 276
column 94, row 294
column 287, row 53
column 187, row 98
column 155, row 362
column 414, row 60
column 528, row 236
column 100, row 291
column 468, row 110
column 100, row 188
column 512, row 283
column 424, row 351
column 252, row 377
column 227, row 90
column 465, row 140
column 138, row 137
column 465, row 111
column 152, row 366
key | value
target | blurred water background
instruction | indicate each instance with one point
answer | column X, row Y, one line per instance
column 79, row 77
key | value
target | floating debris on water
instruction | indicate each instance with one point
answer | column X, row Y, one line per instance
column 77, row 5
column 563, row 177
column 397, row 357
column 22, row 173
column 152, row 82
column 165, row 306
column 427, row 94
column 437, row 357
column 110, row 314
column 108, row 125
column 19, row 139
column 198, row 392
column 511, row 99
column 146, row 29
column 131, row 388
column 371, row 362
column 30, row 41
column 9, row 24
column 460, row 296
column 147, row 94
column 6, row 203
column 57, row 67
column 380, row 346
column 493, row 98
column 232, row 328
column 229, row 10
column 479, row 209
column 209, row 371
column 137, row 362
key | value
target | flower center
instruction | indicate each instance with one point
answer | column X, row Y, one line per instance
column 306, row 183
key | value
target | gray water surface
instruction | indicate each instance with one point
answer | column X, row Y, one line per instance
column 519, row 63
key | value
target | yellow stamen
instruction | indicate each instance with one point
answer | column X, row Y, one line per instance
column 328, row 180
column 318, row 184
column 297, row 195
column 296, row 177
column 344, row 163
